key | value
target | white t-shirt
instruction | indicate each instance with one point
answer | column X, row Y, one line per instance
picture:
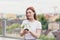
column 32, row 26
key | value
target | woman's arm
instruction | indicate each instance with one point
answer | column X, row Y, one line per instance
column 36, row 34
column 23, row 32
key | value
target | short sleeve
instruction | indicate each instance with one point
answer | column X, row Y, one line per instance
column 23, row 23
column 39, row 25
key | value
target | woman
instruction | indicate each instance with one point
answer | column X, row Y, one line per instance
column 32, row 28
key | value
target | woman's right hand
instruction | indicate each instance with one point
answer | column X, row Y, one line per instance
column 23, row 32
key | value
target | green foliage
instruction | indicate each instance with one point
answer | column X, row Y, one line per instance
column 58, row 19
column 13, row 26
column 43, row 37
column 22, row 26
column 44, row 22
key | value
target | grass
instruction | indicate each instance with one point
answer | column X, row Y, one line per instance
column 43, row 37
column 11, row 27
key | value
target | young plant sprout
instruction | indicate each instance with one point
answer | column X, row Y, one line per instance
column 26, row 27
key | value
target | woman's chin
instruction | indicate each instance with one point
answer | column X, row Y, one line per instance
column 29, row 18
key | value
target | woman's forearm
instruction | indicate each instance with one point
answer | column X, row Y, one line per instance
column 22, row 34
column 36, row 35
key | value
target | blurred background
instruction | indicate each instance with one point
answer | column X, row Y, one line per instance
column 12, row 13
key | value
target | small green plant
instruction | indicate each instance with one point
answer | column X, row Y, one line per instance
column 13, row 26
column 43, row 37
column 43, row 21
column 22, row 26
column 58, row 19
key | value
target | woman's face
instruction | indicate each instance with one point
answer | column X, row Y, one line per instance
column 30, row 14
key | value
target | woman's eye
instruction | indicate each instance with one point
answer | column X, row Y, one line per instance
column 28, row 12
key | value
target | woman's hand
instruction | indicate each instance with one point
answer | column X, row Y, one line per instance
column 23, row 32
column 26, row 31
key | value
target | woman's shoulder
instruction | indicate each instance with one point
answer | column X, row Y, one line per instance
column 39, row 26
column 38, row 22
column 24, row 21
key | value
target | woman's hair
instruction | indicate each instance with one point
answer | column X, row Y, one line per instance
column 33, row 10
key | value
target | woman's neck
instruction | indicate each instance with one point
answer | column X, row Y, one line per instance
column 31, row 20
